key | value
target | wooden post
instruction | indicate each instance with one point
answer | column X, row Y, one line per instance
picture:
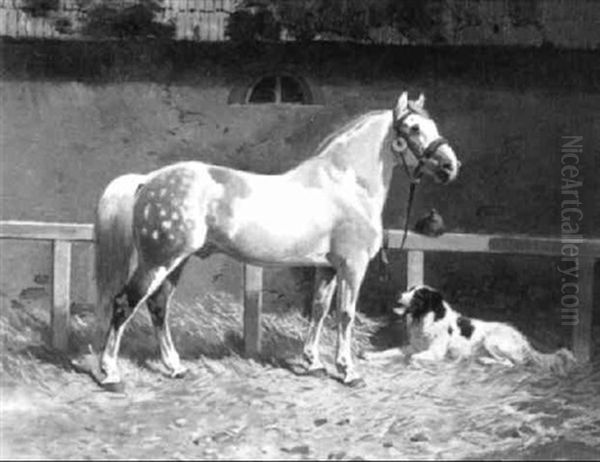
column 582, row 329
column 61, row 297
column 253, row 281
column 415, row 268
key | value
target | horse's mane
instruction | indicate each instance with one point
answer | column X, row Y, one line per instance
column 357, row 121
column 351, row 125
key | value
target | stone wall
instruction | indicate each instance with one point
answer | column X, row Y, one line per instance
column 74, row 118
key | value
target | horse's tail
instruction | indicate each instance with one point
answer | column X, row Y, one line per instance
column 559, row 362
column 115, row 251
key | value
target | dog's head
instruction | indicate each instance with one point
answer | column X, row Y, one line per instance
column 418, row 301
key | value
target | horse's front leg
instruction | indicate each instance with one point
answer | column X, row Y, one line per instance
column 326, row 283
column 350, row 278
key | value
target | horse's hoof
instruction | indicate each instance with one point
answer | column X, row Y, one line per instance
column 358, row 382
column 366, row 355
column 319, row 372
column 179, row 374
column 114, row 387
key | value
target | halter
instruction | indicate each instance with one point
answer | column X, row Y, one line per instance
column 415, row 149
column 420, row 155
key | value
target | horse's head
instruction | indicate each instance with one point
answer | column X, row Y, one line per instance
column 417, row 134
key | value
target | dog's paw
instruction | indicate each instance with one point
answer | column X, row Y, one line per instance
column 385, row 355
column 415, row 363
column 422, row 361
column 369, row 355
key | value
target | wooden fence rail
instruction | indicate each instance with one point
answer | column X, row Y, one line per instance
column 63, row 235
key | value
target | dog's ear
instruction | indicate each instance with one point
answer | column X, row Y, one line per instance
column 419, row 304
column 435, row 303
column 428, row 300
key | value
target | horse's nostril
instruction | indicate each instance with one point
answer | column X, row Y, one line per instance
column 447, row 166
column 444, row 176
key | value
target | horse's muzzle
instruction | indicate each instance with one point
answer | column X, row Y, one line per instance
column 443, row 176
column 447, row 165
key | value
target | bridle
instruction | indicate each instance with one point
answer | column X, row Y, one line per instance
column 421, row 155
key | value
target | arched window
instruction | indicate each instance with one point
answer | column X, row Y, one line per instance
column 276, row 89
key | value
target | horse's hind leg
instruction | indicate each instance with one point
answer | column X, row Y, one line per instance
column 136, row 291
column 326, row 283
column 158, row 305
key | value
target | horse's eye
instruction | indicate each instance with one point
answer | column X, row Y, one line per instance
column 415, row 128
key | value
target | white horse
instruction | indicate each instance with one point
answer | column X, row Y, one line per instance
column 326, row 212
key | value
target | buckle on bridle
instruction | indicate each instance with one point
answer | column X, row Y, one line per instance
column 400, row 146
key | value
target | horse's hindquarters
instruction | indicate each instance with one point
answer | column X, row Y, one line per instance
column 170, row 213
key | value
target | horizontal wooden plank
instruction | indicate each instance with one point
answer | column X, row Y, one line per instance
column 490, row 243
column 46, row 231
column 450, row 242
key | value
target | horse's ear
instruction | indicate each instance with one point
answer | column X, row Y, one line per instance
column 421, row 101
column 402, row 103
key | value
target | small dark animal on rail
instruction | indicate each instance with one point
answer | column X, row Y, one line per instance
column 431, row 224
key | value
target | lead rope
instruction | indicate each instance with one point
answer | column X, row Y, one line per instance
column 411, row 195
column 385, row 244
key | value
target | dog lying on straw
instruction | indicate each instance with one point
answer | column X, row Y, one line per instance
column 437, row 331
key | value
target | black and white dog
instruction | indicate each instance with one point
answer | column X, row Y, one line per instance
column 436, row 331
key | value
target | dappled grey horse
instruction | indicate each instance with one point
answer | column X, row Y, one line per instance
column 326, row 212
